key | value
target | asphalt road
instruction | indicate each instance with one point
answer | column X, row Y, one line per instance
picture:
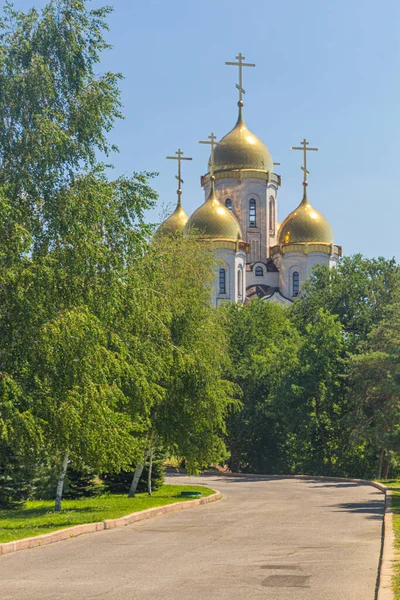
column 271, row 539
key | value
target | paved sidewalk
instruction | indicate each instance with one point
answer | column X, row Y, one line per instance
column 279, row 539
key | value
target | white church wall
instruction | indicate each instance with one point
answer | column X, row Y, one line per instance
column 231, row 262
column 267, row 278
column 303, row 264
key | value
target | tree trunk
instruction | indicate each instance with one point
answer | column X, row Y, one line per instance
column 238, row 462
column 321, row 430
column 149, row 474
column 387, row 465
column 60, row 483
column 137, row 475
column 380, row 463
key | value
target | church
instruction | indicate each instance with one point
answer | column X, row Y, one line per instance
column 257, row 255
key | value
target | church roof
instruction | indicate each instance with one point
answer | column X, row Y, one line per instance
column 241, row 149
column 175, row 222
column 213, row 220
column 305, row 224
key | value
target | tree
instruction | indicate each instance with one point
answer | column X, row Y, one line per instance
column 55, row 111
column 16, row 472
column 375, row 388
column 263, row 346
column 313, row 407
column 184, row 347
column 78, row 394
column 357, row 292
column 68, row 236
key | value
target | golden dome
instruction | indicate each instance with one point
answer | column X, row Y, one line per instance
column 305, row 224
column 214, row 220
column 241, row 149
column 176, row 222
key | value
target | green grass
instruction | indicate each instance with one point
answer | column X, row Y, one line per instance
column 38, row 516
column 395, row 487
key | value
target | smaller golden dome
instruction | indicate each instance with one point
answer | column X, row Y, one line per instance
column 214, row 221
column 176, row 222
column 305, row 224
column 241, row 149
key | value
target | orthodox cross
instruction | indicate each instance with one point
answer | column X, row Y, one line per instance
column 304, row 145
column 179, row 158
column 240, row 64
column 211, row 143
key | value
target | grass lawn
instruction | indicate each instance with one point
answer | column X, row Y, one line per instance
column 38, row 516
column 395, row 487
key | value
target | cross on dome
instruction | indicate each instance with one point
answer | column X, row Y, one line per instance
column 179, row 158
column 304, row 148
column 211, row 143
column 240, row 64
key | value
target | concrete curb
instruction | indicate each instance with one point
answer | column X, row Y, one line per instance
column 384, row 590
column 386, row 568
column 70, row 532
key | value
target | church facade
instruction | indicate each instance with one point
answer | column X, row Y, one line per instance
column 258, row 256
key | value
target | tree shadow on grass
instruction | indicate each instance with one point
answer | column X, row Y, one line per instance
column 30, row 513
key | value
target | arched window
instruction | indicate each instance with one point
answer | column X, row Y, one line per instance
column 259, row 272
column 228, row 204
column 222, row 281
column 271, row 214
column 252, row 213
column 296, row 283
column 239, row 282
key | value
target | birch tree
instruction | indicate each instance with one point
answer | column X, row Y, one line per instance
column 185, row 345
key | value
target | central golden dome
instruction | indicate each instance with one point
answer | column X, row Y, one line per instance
column 214, row 221
column 241, row 149
column 305, row 224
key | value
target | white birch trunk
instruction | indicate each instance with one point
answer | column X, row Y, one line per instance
column 60, row 483
column 137, row 475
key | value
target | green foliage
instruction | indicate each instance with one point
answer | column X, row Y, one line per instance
column 15, row 477
column 263, row 344
column 80, row 483
column 184, row 348
column 374, row 391
column 119, row 483
column 55, row 110
column 357, row 291
column 313, row 401
column 68, row 236
column 319, row 381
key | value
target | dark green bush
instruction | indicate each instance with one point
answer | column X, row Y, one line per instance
column 78, row 483
column 16, row 476
column 120, row 483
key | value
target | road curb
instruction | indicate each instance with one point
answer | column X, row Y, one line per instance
column 384, row 590
column 70, row 532
column 386, row 569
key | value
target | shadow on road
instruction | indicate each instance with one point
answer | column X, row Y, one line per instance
column 372, row 509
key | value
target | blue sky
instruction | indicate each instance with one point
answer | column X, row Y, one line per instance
column 325, row 70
